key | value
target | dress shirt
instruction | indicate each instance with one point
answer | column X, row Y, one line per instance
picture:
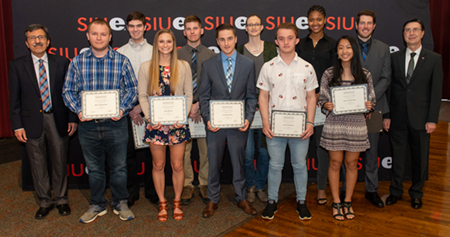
column 287, row 84
column 321, row 56
column 137, row 54
column 360, row 42
column 36, row 69
column 225, row 62
column 408, row 57
column 112, row 71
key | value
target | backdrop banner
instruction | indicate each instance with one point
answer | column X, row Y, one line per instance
column 67, row 23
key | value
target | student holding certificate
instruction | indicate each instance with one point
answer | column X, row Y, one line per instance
column 344, row 132
column 165, row 75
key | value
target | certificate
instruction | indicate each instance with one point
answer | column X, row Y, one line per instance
column 198, row 130
column 288, row 123
column 100, row 104
column 349, row 99
column 319, row 117
column 138, row 134
column 226, row 113
column 257, row 121
column 168, row 110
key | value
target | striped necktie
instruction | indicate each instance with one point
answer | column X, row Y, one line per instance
column 43, row 87
column 194, row 70
column 410, row 68
column 229, row 74
column 365, row 51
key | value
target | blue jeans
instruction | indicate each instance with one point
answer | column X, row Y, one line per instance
column 256, row 178
column 299, row 150
column 101, row 141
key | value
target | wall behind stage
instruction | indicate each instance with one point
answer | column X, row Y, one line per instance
column 67, row 23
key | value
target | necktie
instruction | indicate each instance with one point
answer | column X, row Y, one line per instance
column 43, row 87
column 194, row 71
column 365, row 51
column 229, row 74
column 410, row 68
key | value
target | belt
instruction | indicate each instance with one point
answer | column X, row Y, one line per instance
column 48, row 112
column 100, row 120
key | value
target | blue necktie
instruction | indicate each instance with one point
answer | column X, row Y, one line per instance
column 194, row 71
column 229, row 74
column 365, row 51
column 43, row 87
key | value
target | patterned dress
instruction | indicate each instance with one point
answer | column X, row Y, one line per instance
column 344, row 132
column 167, row 134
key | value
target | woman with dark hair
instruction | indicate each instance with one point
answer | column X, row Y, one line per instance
column 165, row 75
column 260, row 52
column 344, row 134
column 319, row 50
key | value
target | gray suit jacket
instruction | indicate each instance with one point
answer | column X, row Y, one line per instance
column 378, row 63
column 214, row 85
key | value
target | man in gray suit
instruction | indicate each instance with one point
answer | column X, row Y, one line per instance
column 376, row 58
column 237, row 84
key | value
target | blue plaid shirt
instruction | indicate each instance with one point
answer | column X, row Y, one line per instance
column 87, row 72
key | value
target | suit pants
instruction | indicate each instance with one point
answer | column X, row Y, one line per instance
column 216, row 149
column 49, row 145
column 204, row 163
column 402, row 134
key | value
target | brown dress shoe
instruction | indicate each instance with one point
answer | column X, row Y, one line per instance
column 209, row 209
column 247, row 207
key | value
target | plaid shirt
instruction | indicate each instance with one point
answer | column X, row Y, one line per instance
column 87, row 72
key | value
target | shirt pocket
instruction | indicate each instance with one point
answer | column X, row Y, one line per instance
column 299, row 80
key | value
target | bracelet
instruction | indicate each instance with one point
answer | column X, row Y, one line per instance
column 312, row 124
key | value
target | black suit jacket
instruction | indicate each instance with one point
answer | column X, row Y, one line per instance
column 25, row 103
column 420, row 100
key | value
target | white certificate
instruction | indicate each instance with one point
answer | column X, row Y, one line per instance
column 349, row 99
column 257, row 121
column 226, row 113
column 100, row 104
column 319, row 117
column 168, row 110
column 138, row 134
column 198, row 130
column 288, row 123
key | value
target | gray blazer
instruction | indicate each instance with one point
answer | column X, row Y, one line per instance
column 378, row 63
column 214, row 85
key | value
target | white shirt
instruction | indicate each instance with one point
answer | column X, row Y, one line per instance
column 287, row 84
column 137, row 54
column 408, row 57
column 36, row 69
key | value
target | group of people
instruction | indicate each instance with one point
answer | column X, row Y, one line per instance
column 45, row 107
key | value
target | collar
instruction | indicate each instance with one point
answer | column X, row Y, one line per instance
column 278, row 59
column 109, row 54
column 139, row 46
column 325, row 37
column 408, row 51
column 233, row 56
column 369, row 41
column 36, row 59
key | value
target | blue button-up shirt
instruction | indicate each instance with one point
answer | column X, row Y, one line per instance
column 112, row 71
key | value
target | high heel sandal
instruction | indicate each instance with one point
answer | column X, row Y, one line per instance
column 348, row 205
column 162, row 207
column 177, row 205
column 338, row 207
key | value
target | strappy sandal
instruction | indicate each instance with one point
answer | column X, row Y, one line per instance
column 162, row 207
column 348, row 205
column 177, row 205
column 338, row 207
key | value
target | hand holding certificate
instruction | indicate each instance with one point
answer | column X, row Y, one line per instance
column 168, row 110
column 289, row 124
column 227, row 113
column 349, row 99
column 100, row 104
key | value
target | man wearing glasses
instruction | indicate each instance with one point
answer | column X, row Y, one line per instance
column 40, row 119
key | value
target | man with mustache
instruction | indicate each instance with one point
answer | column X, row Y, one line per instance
column 40, row 119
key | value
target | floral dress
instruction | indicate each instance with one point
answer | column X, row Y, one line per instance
column 167, row 134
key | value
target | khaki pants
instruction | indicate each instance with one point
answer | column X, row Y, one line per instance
column 203, row 167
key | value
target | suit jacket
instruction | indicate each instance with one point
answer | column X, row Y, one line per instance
column 214, row 85
column 420, row 100
column 25, row 103
column 378, row 63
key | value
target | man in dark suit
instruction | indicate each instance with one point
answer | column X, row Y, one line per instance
column 376, row 58
column 414, row 99
column 238, row 83
column 40, row 119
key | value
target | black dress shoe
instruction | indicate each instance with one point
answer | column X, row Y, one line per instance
column 63, row 209
column 416, row 203
column 375, row 199
column 43, row 212
column 391, row 200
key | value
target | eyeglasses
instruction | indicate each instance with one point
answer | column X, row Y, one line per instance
column 255, row 25
column 34, row 37
column 415, row 30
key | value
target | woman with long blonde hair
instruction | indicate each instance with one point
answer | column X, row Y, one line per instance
column 165, row 75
